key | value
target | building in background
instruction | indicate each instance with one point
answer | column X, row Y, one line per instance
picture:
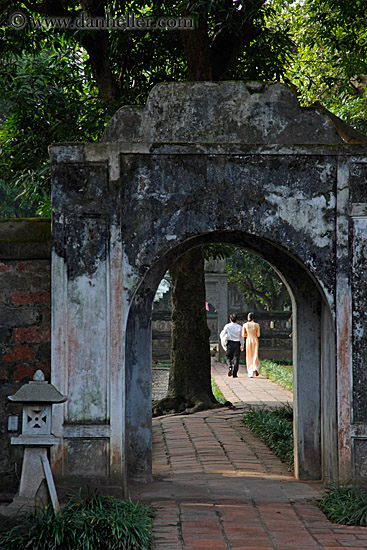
column 224, row 298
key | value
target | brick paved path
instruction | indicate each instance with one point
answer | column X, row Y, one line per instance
column 216, row 486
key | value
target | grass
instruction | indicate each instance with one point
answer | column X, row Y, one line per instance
column 345, row 504
column 162, row 363
column 96, row 523
column 217, row 393
column 275, row 428
column 280, row 374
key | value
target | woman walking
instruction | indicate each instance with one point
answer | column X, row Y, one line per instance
column 251, row 331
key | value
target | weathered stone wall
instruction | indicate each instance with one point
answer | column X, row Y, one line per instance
column 233, row 162
column 25, row 262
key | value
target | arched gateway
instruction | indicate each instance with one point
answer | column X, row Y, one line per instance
column 233, row 162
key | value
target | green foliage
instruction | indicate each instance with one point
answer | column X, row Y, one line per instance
column 51, row 86
column 217, row 393
column 287, row 362
column 217, row 251
column 40, row 107
column 45, row 209
column 275, row 428
column 50, row 89
column 11, row 206
column 166, row 363
column 279, row 374
column 264, row 48
column 258, row 281
column 329, row 63
column 345, row 504
column 269, row 53
column 97, row 523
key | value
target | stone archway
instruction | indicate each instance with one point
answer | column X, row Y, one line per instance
column 235, row 162
column 314, row 366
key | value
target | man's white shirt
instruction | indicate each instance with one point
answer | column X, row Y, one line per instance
column 232, row 331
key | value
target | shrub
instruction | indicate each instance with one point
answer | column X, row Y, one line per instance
column 282, row 375
column 282, row 362
column 96, row 523
column 345, row 504
column 275, row 428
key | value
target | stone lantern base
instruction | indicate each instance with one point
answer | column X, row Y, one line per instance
column 36, row 488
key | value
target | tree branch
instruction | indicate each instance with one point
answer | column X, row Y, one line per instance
column 258, row 293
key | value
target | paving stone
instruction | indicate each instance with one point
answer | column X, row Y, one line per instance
column 217, row 486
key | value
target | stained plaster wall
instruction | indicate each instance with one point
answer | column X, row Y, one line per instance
column 234, row 162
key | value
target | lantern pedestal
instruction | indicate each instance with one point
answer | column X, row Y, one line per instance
column 36, row 485
column 32, row 488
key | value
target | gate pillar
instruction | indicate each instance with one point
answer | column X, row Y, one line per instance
column 87, row 322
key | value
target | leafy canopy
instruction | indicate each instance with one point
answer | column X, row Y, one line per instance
column 258, row 281
column 329, row 61
column 40, row 107
column 64, row 84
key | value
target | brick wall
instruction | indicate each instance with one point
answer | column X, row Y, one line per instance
column 25, row 320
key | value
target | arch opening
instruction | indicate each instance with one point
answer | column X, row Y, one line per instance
column 313, row 359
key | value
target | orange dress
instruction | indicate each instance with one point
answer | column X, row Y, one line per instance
column 251, row 331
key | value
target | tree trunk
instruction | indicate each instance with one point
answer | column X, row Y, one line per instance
column 189, row 388
column 197, row 51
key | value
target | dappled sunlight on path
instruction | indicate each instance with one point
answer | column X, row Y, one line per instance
column 248, row 391
column 217, row 486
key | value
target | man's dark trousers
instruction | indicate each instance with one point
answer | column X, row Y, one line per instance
column 233, row 353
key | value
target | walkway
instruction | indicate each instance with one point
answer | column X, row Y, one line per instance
column 217, row 487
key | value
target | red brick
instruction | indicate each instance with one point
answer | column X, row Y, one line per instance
column 23, row 371
column 25, row 298
column 4, row 373
column 18, row 353
column 33, row 335
column 25, row 267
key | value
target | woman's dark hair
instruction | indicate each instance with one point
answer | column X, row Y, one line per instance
column 233, row 317
column 251, row 316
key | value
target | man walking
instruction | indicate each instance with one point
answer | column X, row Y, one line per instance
column 232, row 333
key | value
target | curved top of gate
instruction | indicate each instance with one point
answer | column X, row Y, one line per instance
column 227, row 112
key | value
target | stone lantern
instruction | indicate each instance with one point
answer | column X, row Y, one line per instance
column 37, row 398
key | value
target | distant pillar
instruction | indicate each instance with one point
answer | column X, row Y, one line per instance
column 216, row 283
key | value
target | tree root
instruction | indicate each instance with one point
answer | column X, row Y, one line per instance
column 180, row 405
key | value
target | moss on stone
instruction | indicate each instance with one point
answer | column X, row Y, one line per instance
column 25, row 230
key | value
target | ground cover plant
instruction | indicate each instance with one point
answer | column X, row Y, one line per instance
column 280, row 374
column 283, row 362
column 345, row 504
column 275, row 428
column 166, row 363
column 96, row 523
column 218, row 394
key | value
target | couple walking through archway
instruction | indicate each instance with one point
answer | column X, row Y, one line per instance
column 232, row 339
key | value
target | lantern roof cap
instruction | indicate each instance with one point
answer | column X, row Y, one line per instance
column 38, row 391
